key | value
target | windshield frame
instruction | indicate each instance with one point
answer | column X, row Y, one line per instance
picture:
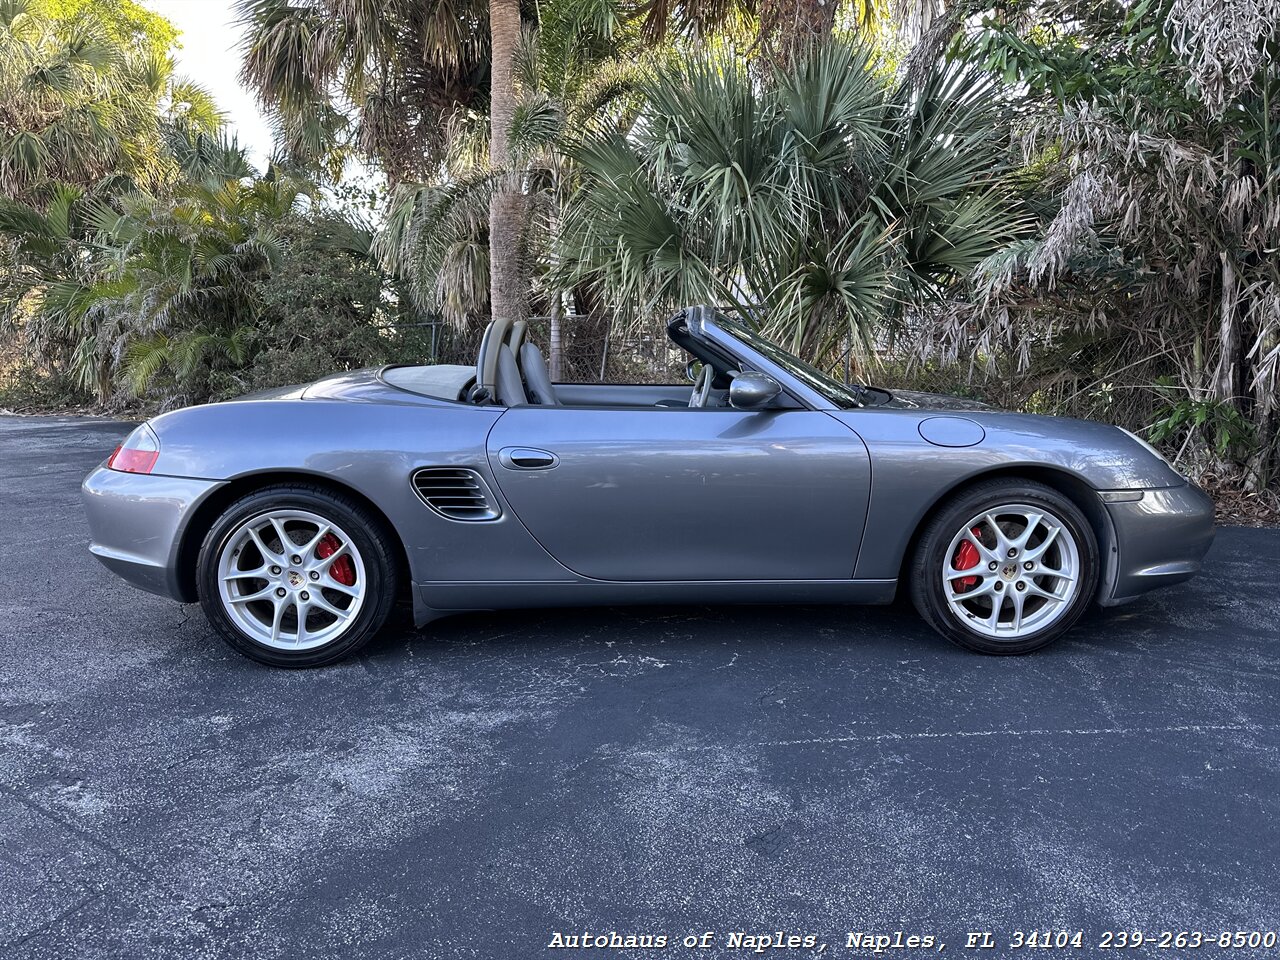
column 816, row 388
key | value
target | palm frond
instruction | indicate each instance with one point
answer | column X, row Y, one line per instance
column 826, row 202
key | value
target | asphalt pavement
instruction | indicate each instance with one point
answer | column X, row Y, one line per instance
column 478, row 787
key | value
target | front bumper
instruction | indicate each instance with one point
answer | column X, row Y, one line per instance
column 1160, row 540
column 136, row 522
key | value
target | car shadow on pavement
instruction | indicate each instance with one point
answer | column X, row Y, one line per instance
column 894, row 629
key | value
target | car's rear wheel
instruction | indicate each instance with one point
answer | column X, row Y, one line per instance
column 1005, row 567
column 297, row 576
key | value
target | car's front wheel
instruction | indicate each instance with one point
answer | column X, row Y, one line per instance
column 1007, row 566
column 297, row 576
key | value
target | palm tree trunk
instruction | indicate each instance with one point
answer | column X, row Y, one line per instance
column 556, row 335
column 789, row 27
column 1227, row 379
column 104, row 381
column 508, row 291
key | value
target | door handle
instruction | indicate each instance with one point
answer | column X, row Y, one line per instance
column 527, row 458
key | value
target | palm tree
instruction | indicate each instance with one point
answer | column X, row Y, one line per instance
column 820, row 204
column 42, row 295
column 85, row 98
column 777, row 32
column 381, row 79
column 407, row 67
column 145, row 289
column 178, row 298
column 90, row 112
column 574, row 73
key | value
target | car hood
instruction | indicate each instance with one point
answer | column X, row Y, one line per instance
column 914, row 400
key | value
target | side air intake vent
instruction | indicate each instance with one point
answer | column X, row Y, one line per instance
column 456, row 493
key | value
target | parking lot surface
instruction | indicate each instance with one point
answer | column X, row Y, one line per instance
column 472, row 789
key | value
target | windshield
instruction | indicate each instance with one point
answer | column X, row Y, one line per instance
column 835, row 391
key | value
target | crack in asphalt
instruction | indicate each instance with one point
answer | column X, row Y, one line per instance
column 1030, row 732
column 85, row 835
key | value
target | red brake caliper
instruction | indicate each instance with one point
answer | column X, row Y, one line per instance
column 966, row 558
column 342, row 570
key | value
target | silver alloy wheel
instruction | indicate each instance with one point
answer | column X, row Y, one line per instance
column 277, row 580
column 1019, row 571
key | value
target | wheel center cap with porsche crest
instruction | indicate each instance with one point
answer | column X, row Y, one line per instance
column 296, row 579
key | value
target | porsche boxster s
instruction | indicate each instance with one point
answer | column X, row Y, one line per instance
column 300, row 516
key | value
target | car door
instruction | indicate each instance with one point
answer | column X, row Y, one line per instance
column 686, row 494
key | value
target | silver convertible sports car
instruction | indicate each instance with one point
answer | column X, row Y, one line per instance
column 298, row 517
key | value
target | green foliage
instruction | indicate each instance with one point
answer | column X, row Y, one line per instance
column 145, row 260
column 1153, row 130
column 175, row 299
column 219, row 288
column 1185, row 419
column 28, row 387
column 125, row 23
column 326, row 307
column 89, row 96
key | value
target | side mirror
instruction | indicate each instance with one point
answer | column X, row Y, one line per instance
column 750, row 390
column 692, row 369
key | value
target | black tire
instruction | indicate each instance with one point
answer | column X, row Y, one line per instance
column 927, row 582
column 377, row 548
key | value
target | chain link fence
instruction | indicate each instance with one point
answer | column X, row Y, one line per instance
column 588, row 352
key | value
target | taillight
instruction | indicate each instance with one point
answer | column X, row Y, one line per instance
column 137, row 454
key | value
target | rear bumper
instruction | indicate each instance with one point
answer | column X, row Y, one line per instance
column 1160, row 540
column 136, row 522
